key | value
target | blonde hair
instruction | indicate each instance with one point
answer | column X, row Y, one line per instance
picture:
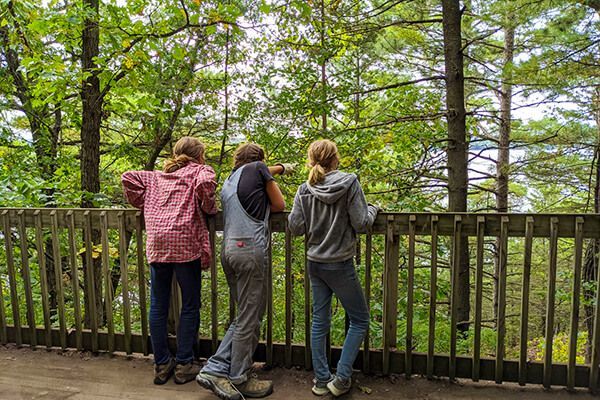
column 247, row 153
column 322, row 158
column 187, row 149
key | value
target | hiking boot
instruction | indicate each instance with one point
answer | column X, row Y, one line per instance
column 339, row 386
column 219, row 385
column 162, row 372
column 320, row 387
column 255, row 388
column 186, row 372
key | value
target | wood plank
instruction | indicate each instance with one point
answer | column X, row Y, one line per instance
column 501, row 315
column 214, row 293
column 478, row 299
column 390, row 293
column 525, row 301
column 12, row 276
column 307, row 304
column 39, row 241
column 26, row 273
column 368, row 269
column 75, row 280
column 141, row 270
column 577, row 264
column 595, row 364
column 446, row 222
column 432, row 296
column 124, row 261
column 410, row 296
column 549, row 337
column 288, row 297
column 269, row 338
column 90, row 286
column 456, row 239
column 58, row 277
column 108, row 287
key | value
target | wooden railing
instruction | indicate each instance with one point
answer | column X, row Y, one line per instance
column 388, row 257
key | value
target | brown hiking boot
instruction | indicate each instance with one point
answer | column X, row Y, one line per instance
column 163, row 372
column 220, row 386
column 255, row 388
column 185, row 373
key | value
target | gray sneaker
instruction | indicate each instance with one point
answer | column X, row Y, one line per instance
column 220, row 386
column 162, row 372
column 339, row 386
column 320, row 387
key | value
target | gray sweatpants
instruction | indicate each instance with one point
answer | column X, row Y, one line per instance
column 245, row 267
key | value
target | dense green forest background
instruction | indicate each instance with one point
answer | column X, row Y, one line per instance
column 90, row 89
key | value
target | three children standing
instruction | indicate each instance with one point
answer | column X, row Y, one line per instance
column 329, row 209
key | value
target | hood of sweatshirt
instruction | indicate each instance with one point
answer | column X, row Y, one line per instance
column 334, row 186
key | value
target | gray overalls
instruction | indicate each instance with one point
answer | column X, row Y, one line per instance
column 244, row 260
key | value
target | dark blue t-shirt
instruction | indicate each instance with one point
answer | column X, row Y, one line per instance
column 252, row 189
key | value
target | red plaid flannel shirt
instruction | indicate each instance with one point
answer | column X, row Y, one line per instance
column 174, row 206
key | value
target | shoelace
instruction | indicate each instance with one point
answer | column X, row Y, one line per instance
column 236, row 389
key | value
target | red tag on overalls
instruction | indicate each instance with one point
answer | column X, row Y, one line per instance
column 240, row 244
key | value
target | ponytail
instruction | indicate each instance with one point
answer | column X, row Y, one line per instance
column 316, row 174
column 186, row 150
column 322, row 158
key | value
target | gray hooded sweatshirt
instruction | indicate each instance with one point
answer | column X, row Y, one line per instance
column 330, row 214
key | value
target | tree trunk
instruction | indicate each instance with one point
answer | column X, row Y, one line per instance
column 457, row 144
column 92, row 103
column 590, row 265
column 503, row 159
column 323, row 72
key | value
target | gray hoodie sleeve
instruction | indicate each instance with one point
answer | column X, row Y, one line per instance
column 296, row 217
column 362, row 215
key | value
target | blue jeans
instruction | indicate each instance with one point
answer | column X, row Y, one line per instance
column 189, row 278
column 339, row 278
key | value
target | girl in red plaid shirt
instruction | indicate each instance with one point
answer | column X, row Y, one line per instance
column 175, row 203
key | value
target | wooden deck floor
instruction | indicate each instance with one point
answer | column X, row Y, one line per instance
column 41, row 374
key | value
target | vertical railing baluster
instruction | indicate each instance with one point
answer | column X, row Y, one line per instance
column 3, row 326
column 412, row 220
column 525, row 301
column 432, row 296
column 108, row 287
column 549, row 337
column 26, row 271
column 58, row 278
column 269, row 349
column 91, row 279
column 307, row 304
column 455, row 271
column 124, row 261
column 368, row 264
column 577, row 263
column 12, row 278
column 501, row 320
column 74, row 279
column 288, row 297
column 214, row 295
column 141, row 270
column 595, row 362
column 478, row 298
column 39, row 241
column 390, row 293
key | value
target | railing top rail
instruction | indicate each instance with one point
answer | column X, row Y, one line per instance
column 399, row 221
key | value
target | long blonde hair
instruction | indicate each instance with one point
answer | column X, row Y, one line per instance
column 322, row 158
column 187, row 149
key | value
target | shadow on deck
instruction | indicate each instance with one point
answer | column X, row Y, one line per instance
column 73, row 375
